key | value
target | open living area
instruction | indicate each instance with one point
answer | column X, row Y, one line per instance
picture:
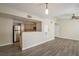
column 39, row 29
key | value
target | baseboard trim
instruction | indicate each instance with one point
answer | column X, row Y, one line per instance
column 67, row 38
column 6, row 44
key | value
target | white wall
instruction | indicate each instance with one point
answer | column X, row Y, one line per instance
column 5, row 31
column 68, row 28
column 57, row 27
column 31, row 39
column 51, row 28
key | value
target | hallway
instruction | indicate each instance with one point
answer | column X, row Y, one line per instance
column 57, row 47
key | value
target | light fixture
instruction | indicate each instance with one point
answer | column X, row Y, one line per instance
column 46, row 8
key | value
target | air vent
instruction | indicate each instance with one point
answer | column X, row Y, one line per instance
column 29, row 16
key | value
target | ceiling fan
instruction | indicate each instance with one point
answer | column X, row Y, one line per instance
column 74, row 16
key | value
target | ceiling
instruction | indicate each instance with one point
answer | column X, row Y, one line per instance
column 38, row 9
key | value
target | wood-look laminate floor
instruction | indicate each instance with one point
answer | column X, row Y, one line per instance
column 57, row 47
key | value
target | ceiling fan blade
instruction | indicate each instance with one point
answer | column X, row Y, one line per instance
column 73, row 16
